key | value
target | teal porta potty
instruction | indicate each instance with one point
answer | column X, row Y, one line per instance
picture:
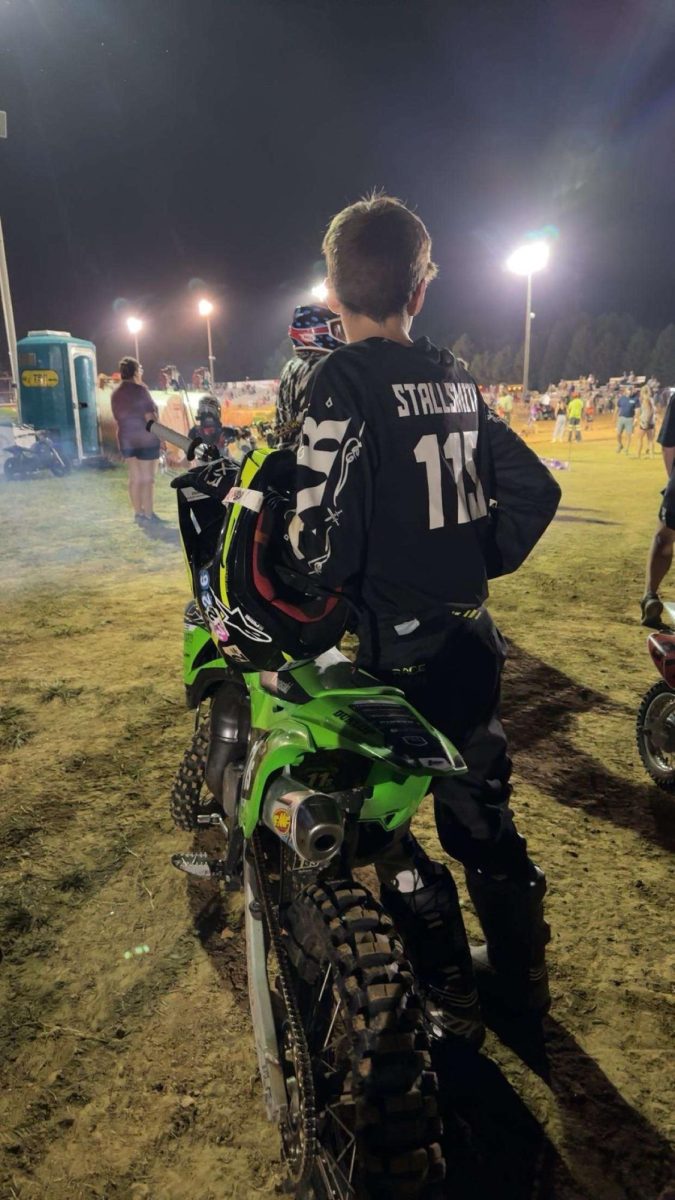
column 57, row 390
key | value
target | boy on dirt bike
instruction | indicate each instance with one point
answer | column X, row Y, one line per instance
column 408, row 495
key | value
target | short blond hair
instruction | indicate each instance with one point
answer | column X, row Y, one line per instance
column 377, row 253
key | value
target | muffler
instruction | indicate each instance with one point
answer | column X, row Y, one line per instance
column 311, row 823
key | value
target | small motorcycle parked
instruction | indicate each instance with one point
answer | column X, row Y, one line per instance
column 656, row 715
column 41, row 456
column 308, row 768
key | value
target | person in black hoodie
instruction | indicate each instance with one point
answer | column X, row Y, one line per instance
column 409, row 495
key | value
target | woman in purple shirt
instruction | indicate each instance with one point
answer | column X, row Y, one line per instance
column 132, row 406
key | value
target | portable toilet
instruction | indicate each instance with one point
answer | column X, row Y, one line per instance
column 57, row 390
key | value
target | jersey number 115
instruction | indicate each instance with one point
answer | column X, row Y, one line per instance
column 457, row 455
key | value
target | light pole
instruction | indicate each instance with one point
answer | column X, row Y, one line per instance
column 6, row 301
column 134, row 325
column 527, row 259
column 205, row 310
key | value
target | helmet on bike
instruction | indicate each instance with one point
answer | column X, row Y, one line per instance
column 261, row 613
column 315, row 330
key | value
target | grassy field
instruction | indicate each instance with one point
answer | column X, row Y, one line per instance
column 128, row 1068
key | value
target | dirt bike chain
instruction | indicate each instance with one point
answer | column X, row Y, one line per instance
column 302, row 1061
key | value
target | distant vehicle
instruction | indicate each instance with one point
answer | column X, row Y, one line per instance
column 41, row 456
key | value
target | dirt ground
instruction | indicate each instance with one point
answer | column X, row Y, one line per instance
column 126, row 1059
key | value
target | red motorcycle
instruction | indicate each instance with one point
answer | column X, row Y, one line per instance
column 655, row 728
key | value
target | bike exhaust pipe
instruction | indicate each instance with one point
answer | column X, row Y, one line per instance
column 311, row 823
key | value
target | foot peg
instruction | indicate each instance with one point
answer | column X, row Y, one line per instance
column 201, row 866
column 213, row 818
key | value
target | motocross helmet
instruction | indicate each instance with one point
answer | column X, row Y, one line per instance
column 315, row 330
column 208, row 406
column 262, row 613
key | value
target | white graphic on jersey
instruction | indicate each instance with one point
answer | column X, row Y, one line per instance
column 319, row 461
column 351, row 451
column 323, row 461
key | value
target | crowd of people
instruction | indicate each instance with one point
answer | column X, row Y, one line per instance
column 572, row 406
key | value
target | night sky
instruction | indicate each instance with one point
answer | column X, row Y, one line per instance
column 154, row 144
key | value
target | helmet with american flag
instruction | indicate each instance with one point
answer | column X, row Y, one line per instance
column 315, row 330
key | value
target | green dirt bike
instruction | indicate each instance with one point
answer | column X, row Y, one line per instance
column 309, row 768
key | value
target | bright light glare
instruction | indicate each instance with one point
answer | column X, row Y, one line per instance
column 205, row 308
column 320, row 292
column 528, row 258
column 134, row 325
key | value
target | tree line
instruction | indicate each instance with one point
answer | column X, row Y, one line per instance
column 575, row 346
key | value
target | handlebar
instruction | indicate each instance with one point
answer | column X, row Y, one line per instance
column 170, row 435
column 189, row 446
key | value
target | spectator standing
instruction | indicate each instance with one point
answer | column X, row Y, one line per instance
column 132, row 407
column 647, row 421
column 560, row 420
column 533, row 414
column 575, row 407
column 505, row 406
column 629, row 401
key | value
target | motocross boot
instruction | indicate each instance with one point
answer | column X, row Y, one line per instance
column 511, row 968
column 652, row 609
column 423, row 904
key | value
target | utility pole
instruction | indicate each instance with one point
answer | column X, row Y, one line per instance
column 528, row 332
column 6, row 297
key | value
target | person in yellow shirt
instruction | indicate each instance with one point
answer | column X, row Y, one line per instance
column 574, row 411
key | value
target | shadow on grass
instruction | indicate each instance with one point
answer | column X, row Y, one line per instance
column 540, row 704
column 161, row 533
column 501, row 1150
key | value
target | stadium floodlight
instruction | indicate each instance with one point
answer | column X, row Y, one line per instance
column 528, row 258
column 205, row 309
column 134, row 325
column 320, row 292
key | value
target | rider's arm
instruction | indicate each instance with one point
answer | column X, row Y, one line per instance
column 525, row 498
column 328, row 519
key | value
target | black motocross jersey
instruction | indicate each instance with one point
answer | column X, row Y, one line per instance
column 409, row 493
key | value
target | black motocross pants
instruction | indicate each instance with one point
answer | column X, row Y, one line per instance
column 453, row 680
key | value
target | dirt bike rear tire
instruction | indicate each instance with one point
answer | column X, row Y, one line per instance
column 663, row 777
column 389, row 1078
column 187, row 800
